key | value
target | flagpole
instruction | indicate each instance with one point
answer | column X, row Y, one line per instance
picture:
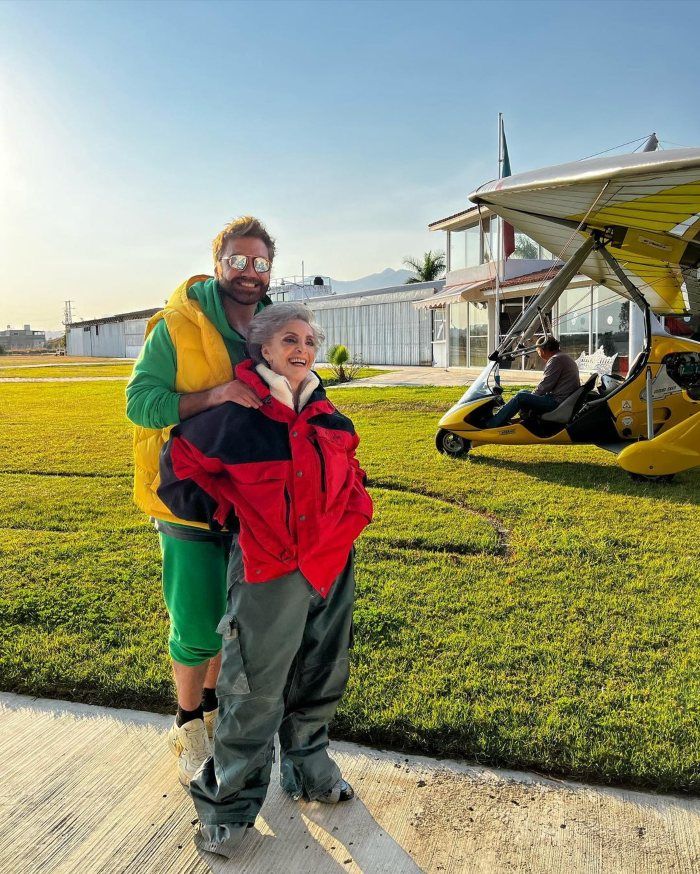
column 499, row 236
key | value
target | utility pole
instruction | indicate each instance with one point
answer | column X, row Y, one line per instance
column 67, row 313
column 67, row 320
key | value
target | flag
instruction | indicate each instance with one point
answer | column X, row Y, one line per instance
column 508, row 230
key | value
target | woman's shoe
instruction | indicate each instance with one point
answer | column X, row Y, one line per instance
column 341, row 790
column 223, row 840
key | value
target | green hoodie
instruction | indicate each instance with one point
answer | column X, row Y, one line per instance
column 151, row 399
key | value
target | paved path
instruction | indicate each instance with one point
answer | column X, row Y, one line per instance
column 458, row 376
column 89, row 789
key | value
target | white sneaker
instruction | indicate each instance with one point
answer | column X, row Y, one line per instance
column 210, row 717
column 190, row 743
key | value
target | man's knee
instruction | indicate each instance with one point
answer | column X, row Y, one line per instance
column 193, row 652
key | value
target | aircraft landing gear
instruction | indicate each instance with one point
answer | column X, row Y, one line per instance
column 662, row 478
column 452, row 445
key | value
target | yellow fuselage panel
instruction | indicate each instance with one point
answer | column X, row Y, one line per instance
column 629, row 406
column 676, row 450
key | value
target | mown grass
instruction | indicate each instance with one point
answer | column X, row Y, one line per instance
column 105, row 368
column 526, row 608
column 329, row 378
column 73, row 371
column 21, row 359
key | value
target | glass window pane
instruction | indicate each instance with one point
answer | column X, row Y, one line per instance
column 478, row 319
column 457, row 250
column 438, row 325
column 574, row 320
column 458, row 334
column 611, row 323
column 473, row 246
column 525, row 247
column 477, row 351
column 478, row 333
column 486, row 248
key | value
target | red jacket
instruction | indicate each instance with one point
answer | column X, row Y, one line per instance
column 291, row 479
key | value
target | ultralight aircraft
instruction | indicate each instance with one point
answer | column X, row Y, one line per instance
column 632, row 224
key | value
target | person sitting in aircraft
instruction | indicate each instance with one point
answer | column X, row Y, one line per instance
column 559, row 380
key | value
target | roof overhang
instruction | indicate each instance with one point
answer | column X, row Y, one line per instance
column 467, row 218
column 453, row 294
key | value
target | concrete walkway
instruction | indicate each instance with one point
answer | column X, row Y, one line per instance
column 89, row 789
column 461, row 376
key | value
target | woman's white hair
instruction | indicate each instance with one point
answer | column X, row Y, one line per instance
column 272, row 319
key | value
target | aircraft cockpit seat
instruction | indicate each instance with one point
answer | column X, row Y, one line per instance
column 568, row 408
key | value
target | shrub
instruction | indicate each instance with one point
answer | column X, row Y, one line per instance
column 343, row 366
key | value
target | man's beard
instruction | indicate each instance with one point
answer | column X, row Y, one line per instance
column 244, row 296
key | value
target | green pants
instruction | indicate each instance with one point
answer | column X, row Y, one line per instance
column 284, row 669
column 194, row 588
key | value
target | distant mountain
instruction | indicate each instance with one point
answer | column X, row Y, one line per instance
column 385, row 279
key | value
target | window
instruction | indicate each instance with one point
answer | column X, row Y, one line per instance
column 488, row 240
column 458, row 334
column 574, row 321
column 528, row 248
column 439, row 325
column 465, row 248
column 468, row 334
column 478, row 333
column 611, row 322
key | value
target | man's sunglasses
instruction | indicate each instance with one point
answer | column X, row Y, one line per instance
column 240, row 262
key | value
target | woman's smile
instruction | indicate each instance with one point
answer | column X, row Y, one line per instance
column 292, row 351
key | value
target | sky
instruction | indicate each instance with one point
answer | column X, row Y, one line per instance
column 132, row 132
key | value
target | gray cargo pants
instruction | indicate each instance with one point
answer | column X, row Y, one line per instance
column 284, row 669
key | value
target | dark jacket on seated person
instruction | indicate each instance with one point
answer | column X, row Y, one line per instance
column 560, row 377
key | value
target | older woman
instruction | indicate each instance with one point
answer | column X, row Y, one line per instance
column 285, row 473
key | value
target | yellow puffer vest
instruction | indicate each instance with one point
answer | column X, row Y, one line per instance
column 202, row 363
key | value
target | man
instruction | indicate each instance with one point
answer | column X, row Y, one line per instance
column 186, row 367
column 559, row 380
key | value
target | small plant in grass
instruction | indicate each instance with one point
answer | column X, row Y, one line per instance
column 343, row 366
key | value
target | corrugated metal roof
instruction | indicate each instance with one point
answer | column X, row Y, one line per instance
column 121, row 317
column 408, row 291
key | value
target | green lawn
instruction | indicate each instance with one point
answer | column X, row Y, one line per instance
column 530, row 607
column 124, row 369
column 58, row 370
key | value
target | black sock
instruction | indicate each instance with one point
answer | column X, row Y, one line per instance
column 209, row 700
column 184, row 716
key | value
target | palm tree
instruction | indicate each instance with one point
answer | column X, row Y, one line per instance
column 338, row 355
column 429, row 269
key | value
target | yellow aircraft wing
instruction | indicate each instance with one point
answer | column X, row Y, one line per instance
column 647, row 205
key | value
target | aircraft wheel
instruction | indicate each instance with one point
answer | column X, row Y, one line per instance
column 641, row 478
column 450, row 444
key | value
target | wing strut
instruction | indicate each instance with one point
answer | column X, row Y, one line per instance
column 544, row 301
